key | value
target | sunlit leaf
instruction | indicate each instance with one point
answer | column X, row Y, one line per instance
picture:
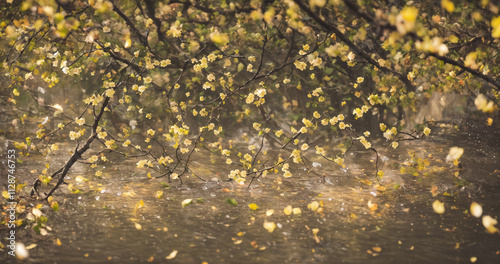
column 476, row 210
column 288, row 210
column 172, row 254
column 438, row 207
column 269, row 226
column 186, row 202
column 489, row 223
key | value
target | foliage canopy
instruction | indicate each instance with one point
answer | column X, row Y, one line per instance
column 161, row 80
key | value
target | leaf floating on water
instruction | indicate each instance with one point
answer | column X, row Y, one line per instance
column 434, row 190
column 253, row 206
column 186, row 202
column 476, row 210
column 269, row 226
column 231, row 201
column 31, row 246
column 438, row 207
column 172, row 255
column 80, row 178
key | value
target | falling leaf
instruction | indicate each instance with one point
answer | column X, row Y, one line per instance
column 6, row 194
column 159, row 194
column 454, row 154
column 231, row 201
column 58, row 242
column 473, row 259
column 353, row 216
column 237, row 242
column 288, row 210
column 269, row 212
column 269, row 226
column 186, row 202
column 138, row 226
column 253, row 206
column 476, row 210
column 172, row 255
column 21, row 251
column 438, row 207
column 489, row 223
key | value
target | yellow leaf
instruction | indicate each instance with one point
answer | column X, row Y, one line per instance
column 186, row 202
column 80, row 178
column 31, row 246
column 476, row 210
column 140, row 204
column 253, row 206
column 409, row 13
column 495, row 24
column 489, row 223
column 138, row 226
column 6, row 194
column 172, row 255
column 288, row 210
column 454, row 154
column 159, row 194
column 269, row 226
column 438, row 207
column 313, row 206
column 58, row 242
column 448, row 5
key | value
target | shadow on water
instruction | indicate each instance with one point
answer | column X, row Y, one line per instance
column 103, row 225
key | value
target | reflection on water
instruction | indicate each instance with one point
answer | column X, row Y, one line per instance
column 99, row 224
